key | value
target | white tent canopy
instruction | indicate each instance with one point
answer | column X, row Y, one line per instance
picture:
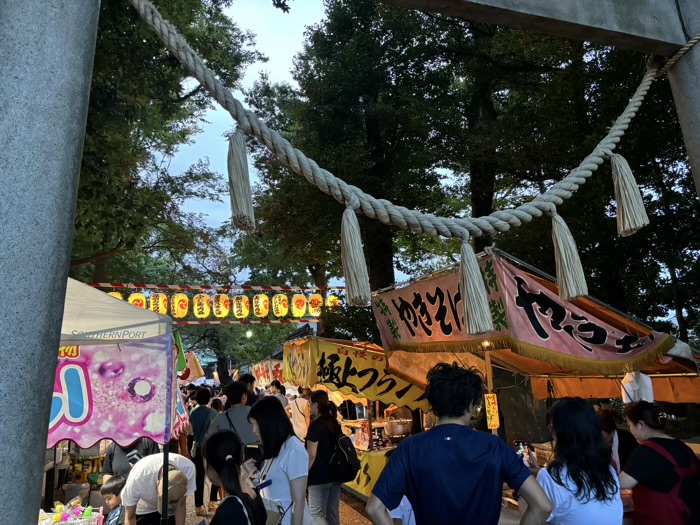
column 93, row 317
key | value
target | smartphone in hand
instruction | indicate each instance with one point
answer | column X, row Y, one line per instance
column 522, row 449
column 133, row 457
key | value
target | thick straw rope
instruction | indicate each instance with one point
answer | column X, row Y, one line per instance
column 383, row 210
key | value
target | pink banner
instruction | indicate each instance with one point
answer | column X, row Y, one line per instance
column 119, row 392
column 528, row 317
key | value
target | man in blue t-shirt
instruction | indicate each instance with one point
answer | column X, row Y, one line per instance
column 451, row 474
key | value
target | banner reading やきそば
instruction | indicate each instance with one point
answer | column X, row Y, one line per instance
column 119, row 392
column 529, row 318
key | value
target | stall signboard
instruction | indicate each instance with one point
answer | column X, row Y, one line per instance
column 192, row 371
column 119, row 392
column 529, row 318
column 371, row 466
column 491, row 406
column 262, row 374
column 87, row 469
column 267, row 371
column 350, row 370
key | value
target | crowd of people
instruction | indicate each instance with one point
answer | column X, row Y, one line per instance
column 271, row 461
column 453, row 475
column 262, row 456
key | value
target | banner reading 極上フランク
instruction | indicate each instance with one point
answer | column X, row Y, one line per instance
column 529, row 319
column 350, row 369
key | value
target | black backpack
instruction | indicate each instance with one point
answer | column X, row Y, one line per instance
column 344, row 460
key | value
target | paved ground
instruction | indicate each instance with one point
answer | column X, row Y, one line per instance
column 351, row 511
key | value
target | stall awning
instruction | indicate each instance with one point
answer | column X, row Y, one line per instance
column 92, row 317
column 535, row 333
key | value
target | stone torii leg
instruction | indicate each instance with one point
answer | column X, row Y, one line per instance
column 46, row 51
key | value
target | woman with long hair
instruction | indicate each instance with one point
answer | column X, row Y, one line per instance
column 223, row 456
column 324, row 489
column 581, row 483
column 663, row 472
column 285, row 467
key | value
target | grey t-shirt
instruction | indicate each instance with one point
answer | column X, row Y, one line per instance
column 239, row 420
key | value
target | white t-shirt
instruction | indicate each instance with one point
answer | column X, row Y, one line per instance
column 299, row 408
column 291, row 463
column 568, row 510
column 141, row 487
column 404, row 512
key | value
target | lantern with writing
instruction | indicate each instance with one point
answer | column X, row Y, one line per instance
column 201, row 305
column 137, row 299
column 159, row 303
column 241, row 306
column 179, row 305
column 222, row 305
column 116, row 295
column 280, row 305
column 315, row 304
column 261, row 305
column 333, row 301
column 298, row 305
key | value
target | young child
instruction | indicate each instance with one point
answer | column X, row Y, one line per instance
column 111, row 490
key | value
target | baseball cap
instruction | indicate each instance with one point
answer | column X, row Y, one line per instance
column 177, row 488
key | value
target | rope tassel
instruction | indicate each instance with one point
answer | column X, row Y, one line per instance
column 352, row 256
column 570, row 277
column 475, row 301
column 242, row 214
column 631, row 214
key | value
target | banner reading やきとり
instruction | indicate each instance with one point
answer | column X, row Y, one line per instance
column 119, row 392
column 348, row 369
column 528, row 316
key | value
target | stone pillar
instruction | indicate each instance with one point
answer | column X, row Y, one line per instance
column 46, row 51
column 685, row 79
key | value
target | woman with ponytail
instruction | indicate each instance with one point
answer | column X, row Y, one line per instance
column 223, row 456
column 321, row 439
column 662, row 472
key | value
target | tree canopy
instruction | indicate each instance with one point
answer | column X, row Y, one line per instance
column 453, row 117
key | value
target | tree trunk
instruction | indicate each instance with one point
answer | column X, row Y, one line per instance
column 668, row 257
column 379, row 247
column 482, row 169
column 222, row 369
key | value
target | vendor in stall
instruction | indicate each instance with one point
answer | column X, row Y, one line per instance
column 116, row 462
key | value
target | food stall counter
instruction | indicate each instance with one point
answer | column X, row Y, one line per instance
column 372, row 463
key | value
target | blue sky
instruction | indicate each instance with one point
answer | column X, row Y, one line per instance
column 279, row 37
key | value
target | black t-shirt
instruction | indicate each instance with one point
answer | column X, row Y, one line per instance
column 321, row 471
column 451, row 475
column 252, row 399
column 654, row 471
column 115, row 462
column 232, row 512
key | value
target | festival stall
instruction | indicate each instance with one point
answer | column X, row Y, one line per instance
column 356, row 372
column 580, row 348
column 115, row 377
column 268, row 370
